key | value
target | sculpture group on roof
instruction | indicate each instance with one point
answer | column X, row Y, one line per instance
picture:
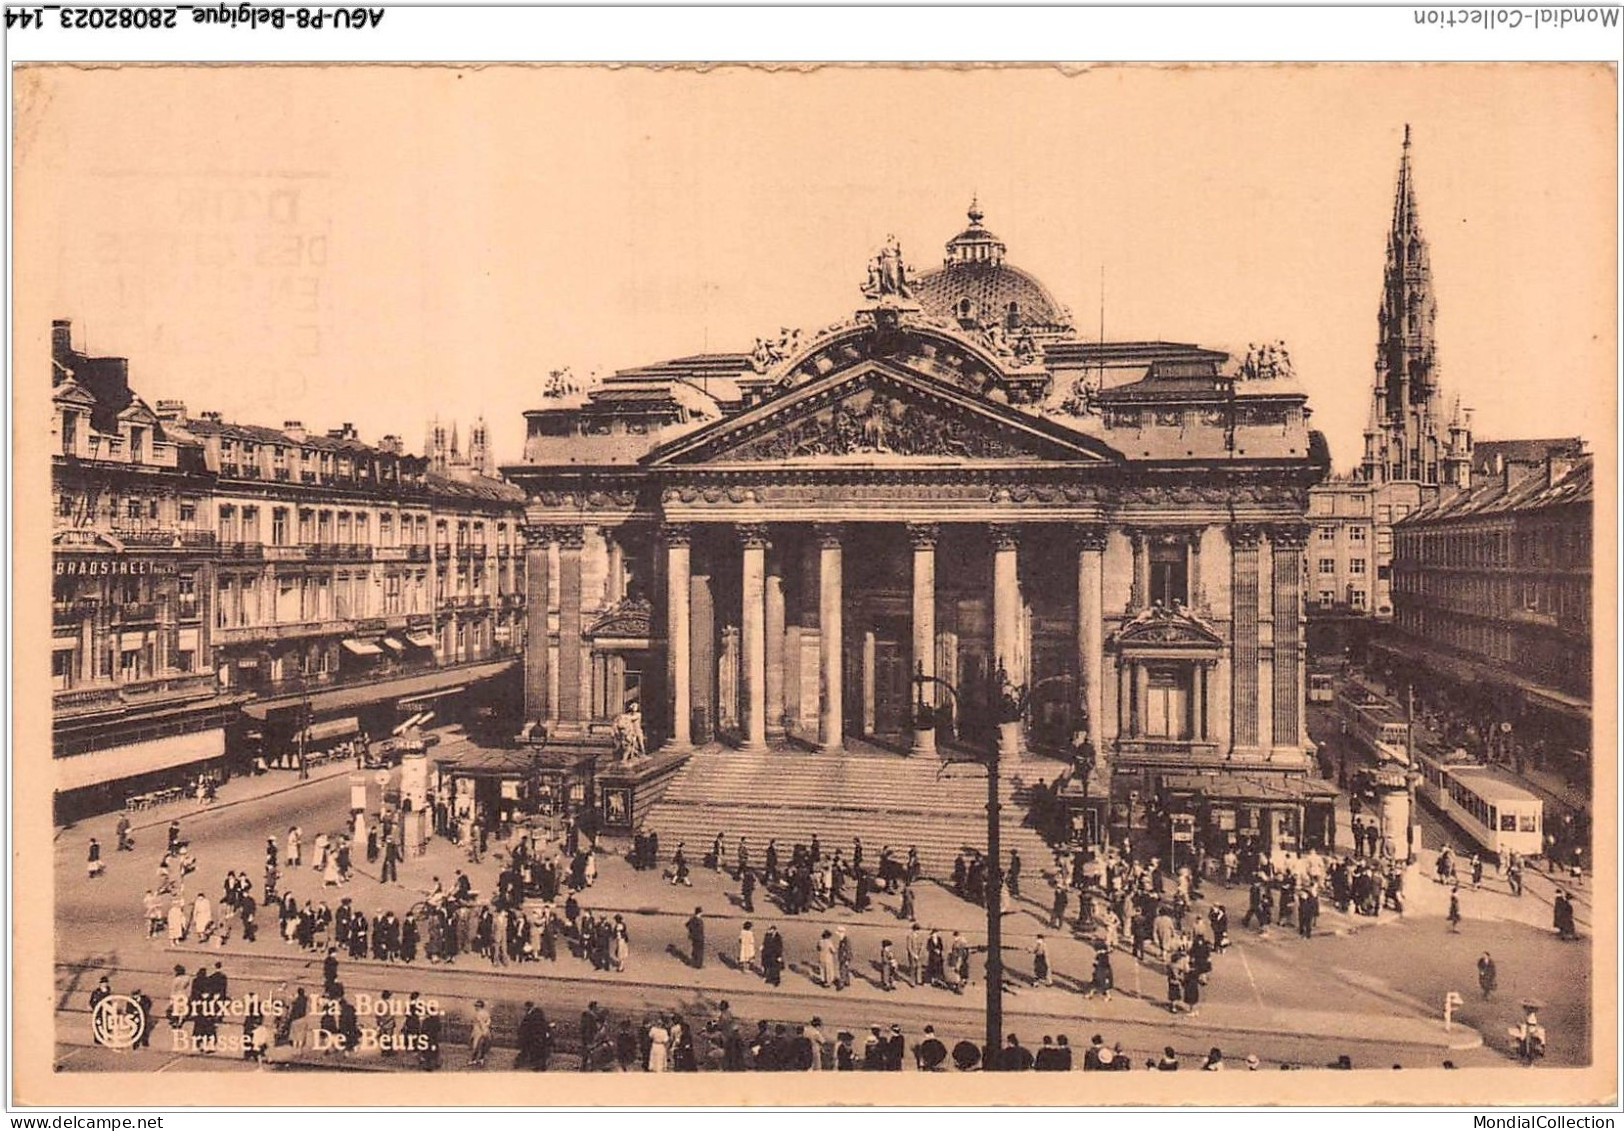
column 770, row 351
column 1267, row 362
column 561, row 383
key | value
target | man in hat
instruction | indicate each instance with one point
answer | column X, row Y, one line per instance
column 1014, row 1058
column 696, row 938
column 930, row 1053
column 894, row 1049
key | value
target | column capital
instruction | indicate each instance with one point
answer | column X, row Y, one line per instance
column 571, row 537
column 540, row 536
column 1289, row 535
column 677, row 533
column 1091, row 536
column 830, row 534
column 923, row 535
column 753, row 535
column 1004, row 535
column 1245, row 535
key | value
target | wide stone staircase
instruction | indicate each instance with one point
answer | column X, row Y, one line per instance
column 788, row 794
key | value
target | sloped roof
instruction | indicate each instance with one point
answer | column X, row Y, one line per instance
column 1532, row 492
column 1489, row 455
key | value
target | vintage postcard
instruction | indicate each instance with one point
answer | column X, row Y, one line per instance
column 671, row 574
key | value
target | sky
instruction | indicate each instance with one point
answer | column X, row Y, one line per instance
column 381, row 245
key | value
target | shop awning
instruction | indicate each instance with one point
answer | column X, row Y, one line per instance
column 1245, row 788
column 420, row 639
column 393, row 645
column 116, row 763
column 381, row 690
column 418, row 702
column 333, row 728
column 361, row 648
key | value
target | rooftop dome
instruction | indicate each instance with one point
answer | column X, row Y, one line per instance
column 976, row 287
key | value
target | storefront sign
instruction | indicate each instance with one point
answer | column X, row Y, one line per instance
column 109, row 566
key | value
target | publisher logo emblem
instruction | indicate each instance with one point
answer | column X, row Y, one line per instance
column 117, row 1021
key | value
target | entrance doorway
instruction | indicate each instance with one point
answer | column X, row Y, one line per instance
column 891, row 694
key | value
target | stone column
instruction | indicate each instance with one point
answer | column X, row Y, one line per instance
column 753, row 539
column 831, row 720
column 614, row 582
column 1006, row 624
column 868, row 684
column 537, row 643
column 572, row 712
column 677, row 629
column 1244, row 643
column 775, row 647
column 1288, row 543
column 1139, row 598
column 1141, row 698
column 923, row 536
column 1090, row 626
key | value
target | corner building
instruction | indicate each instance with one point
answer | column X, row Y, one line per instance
column 943, row 522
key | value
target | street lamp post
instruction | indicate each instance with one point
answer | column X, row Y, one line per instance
column 995, row 887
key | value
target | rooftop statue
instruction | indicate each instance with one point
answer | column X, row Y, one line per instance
column 887, row 275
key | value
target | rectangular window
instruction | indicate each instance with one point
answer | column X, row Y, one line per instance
column 1327, row 534
column 62, row 668
column 188, row 510
column 132, row 508
column 1357, row 534
column 279, row 526
column 1384, row 515
column 64, row 506
column 1327, row 598
column 1356, row 598
column 70, row 433
column 1327, row 565
column 1356, row 565
column 1169, row 573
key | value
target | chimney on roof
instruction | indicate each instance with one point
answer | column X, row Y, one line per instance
column 61, row 338
column 1558, row 462
column 171, row 411
column 294, row 430
column 212, row 417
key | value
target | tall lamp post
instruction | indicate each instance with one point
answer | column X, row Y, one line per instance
column 995, row 882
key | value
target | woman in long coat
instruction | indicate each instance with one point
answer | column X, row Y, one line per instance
column 1104, row 980
column 772, row 956
column 358, row 936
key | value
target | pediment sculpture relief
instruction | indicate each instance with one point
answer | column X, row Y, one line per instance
column 876, row 422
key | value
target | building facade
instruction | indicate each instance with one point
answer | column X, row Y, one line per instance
column 1492, row 597
column 134, row 694
column 1411, row 447
column 285, row 586
column 945, row 521
column 353, row 578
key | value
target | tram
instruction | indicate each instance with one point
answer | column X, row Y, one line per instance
column 1499, row 815
column 1374, row 726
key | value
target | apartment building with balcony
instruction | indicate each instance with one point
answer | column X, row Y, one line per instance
column 1492, row 596
column 135, row 699
column 354, row 581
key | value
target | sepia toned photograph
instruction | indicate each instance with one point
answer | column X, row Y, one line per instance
column 685, row 573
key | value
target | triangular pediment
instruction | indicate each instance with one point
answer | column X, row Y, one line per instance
column 877, row 412
column 1158, row 628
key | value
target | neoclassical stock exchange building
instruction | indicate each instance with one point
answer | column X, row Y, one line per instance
column 944, row 523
